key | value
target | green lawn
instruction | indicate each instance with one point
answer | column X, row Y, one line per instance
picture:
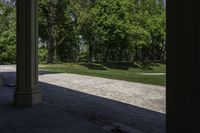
column 122, row 71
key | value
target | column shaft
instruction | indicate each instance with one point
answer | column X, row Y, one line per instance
column 27, row 92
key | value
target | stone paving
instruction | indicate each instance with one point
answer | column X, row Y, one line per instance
column 104, row 101
column 142, row 95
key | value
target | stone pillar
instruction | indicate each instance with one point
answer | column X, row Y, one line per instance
column 1, row 81
column 182, row 66
column 27, row 92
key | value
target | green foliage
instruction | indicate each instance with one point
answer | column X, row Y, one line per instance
column 57, row 26
column 42, row 55
column 7, row 33
column 93, row 30
column 123, row 29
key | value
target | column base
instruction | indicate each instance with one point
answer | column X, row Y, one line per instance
column 27, row 98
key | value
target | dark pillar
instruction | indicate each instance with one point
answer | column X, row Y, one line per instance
column 182, row 60
column 1, row 81
column 27, row 92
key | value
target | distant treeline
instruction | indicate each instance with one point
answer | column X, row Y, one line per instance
column 92, row 30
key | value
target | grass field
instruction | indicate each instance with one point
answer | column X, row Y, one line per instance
column 120, row 71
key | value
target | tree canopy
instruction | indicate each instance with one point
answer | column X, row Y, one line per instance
column 7, row 32
column 91, row 30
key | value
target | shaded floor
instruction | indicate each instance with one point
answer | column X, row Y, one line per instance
column 42, row 118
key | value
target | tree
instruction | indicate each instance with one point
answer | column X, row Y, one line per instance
column 58, row 29
column 83, row 9
column 7, row 32
column 150, row 17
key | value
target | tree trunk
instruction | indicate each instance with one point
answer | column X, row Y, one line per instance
column 50, row 56
column 55, row 55
column 120, row 55
column 113, row 56
column 136, row 53
column 106, row 55
column 90, row 53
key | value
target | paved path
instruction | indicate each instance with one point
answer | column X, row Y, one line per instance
column 104, row 101
column 142, row 95
column 152, row 74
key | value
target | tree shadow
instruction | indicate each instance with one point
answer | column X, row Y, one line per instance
column 126, row 65
column 116, row 65
column 93, row 66
column 146, row 67
column 43, row 72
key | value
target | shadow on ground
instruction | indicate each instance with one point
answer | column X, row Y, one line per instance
column 115, row 65
column 93, row 66
column 98, row 110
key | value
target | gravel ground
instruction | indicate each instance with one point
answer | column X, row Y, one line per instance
column 141, row 95
column 103, row 101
